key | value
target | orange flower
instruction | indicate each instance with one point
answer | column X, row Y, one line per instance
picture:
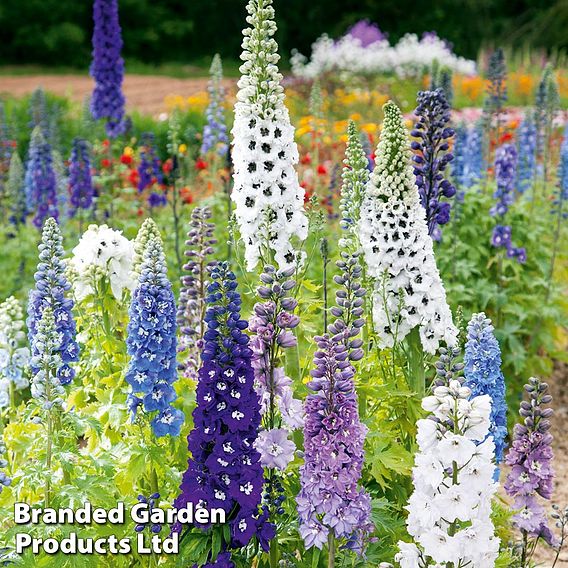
column 186, row 195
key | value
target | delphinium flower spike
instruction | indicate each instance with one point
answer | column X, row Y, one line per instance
column 431, row 157
column 333, row 433
column 14, row 354
column 450, row 509
column 15, row 191
column 107, row 67
column 268, row 197
column 51, row 287
column 215, row 130
column 148, row 231
column 526, row 148
column 530, row 458
column 224, row 469
column 483, row 375
column 191, row 306
column 495, row 99
column 81, row 188
column 398, row 249
column 40, row 181
column 505, row 176
column 473, row 160
column 355, row 176
column 5, row 481
column 151, row 342
column 149, row 170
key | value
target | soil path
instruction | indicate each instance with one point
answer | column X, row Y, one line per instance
column 145, row 93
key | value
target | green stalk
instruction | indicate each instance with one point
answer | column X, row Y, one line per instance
column 416, row 373
column 273, row 554
column 331, row 545
column 49, row 450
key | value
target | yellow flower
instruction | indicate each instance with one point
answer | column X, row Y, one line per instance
column 182, row 149
column 128, row 151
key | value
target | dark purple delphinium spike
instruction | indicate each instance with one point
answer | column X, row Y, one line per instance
column 150, row 502
column 530, row 458
column 40, row 180
column 81, row 188
column 330, row 498
column 224, row 470
column 191, row 305
column 431, row 156
column 149, row 170
column 50, row 290
column 107, row 67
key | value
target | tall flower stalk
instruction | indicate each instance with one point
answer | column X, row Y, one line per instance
column 107, row 68
column 526, row 149
column 151, row 343
column 224, row 469
column 333, row 433
column 50, row 291
column 268, row 198
column 431, row 157
column 16, row 192
column 483, row 375
column 40, row 180
column 192, row 306
column 81, row 188
column 450, row 509
column 408, row 291
column 531, row 475
column 215, row 130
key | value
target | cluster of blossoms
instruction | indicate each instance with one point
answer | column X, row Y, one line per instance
column 483, row 375
column 547, row 103
column 102, row 253
column 40, row 181
column 5, row 481
column 15, row 191
column 496, row 82
column 450, row 509
column 51, row 285
column 526, row 146
column 151, row 343
column 47, row 363
column 505, row 176
column 431, row 156
column 224, row 469
column 39, row 113
column 155, row 528
column 81, row 188
column 371, row 53
column 398, row 249
column 473, row 158
column 269, row 200
column 272, row 324
column 355, row 176
column 147, row 232
column 215, row 130
column 107, row 68
column 330, row 500
column 191, row 305
column 530, row 458
column 149, row 170
column 14, row 355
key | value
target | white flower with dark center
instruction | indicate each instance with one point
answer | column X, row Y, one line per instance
column 268, row 198
column 398, row 250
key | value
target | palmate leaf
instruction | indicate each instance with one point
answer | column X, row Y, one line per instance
column 387, row 457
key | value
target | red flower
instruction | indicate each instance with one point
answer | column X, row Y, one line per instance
column 106, row 143
column 186, row 195
column 126, row 159
column 105, row 163
column 134, row 178
column 322, row 170
column 201, row 164
column 306, row 159
column 140, row 212
column 507, row 137
column 167, row 166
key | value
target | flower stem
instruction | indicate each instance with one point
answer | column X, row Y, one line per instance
column 274, row 553
column 331, row 546
column 416, row 374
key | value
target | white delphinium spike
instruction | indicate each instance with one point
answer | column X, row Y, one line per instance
column 269, row 200
column 450, row 508
column 398, row 250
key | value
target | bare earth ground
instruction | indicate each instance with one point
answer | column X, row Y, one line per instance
column 144, row 93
